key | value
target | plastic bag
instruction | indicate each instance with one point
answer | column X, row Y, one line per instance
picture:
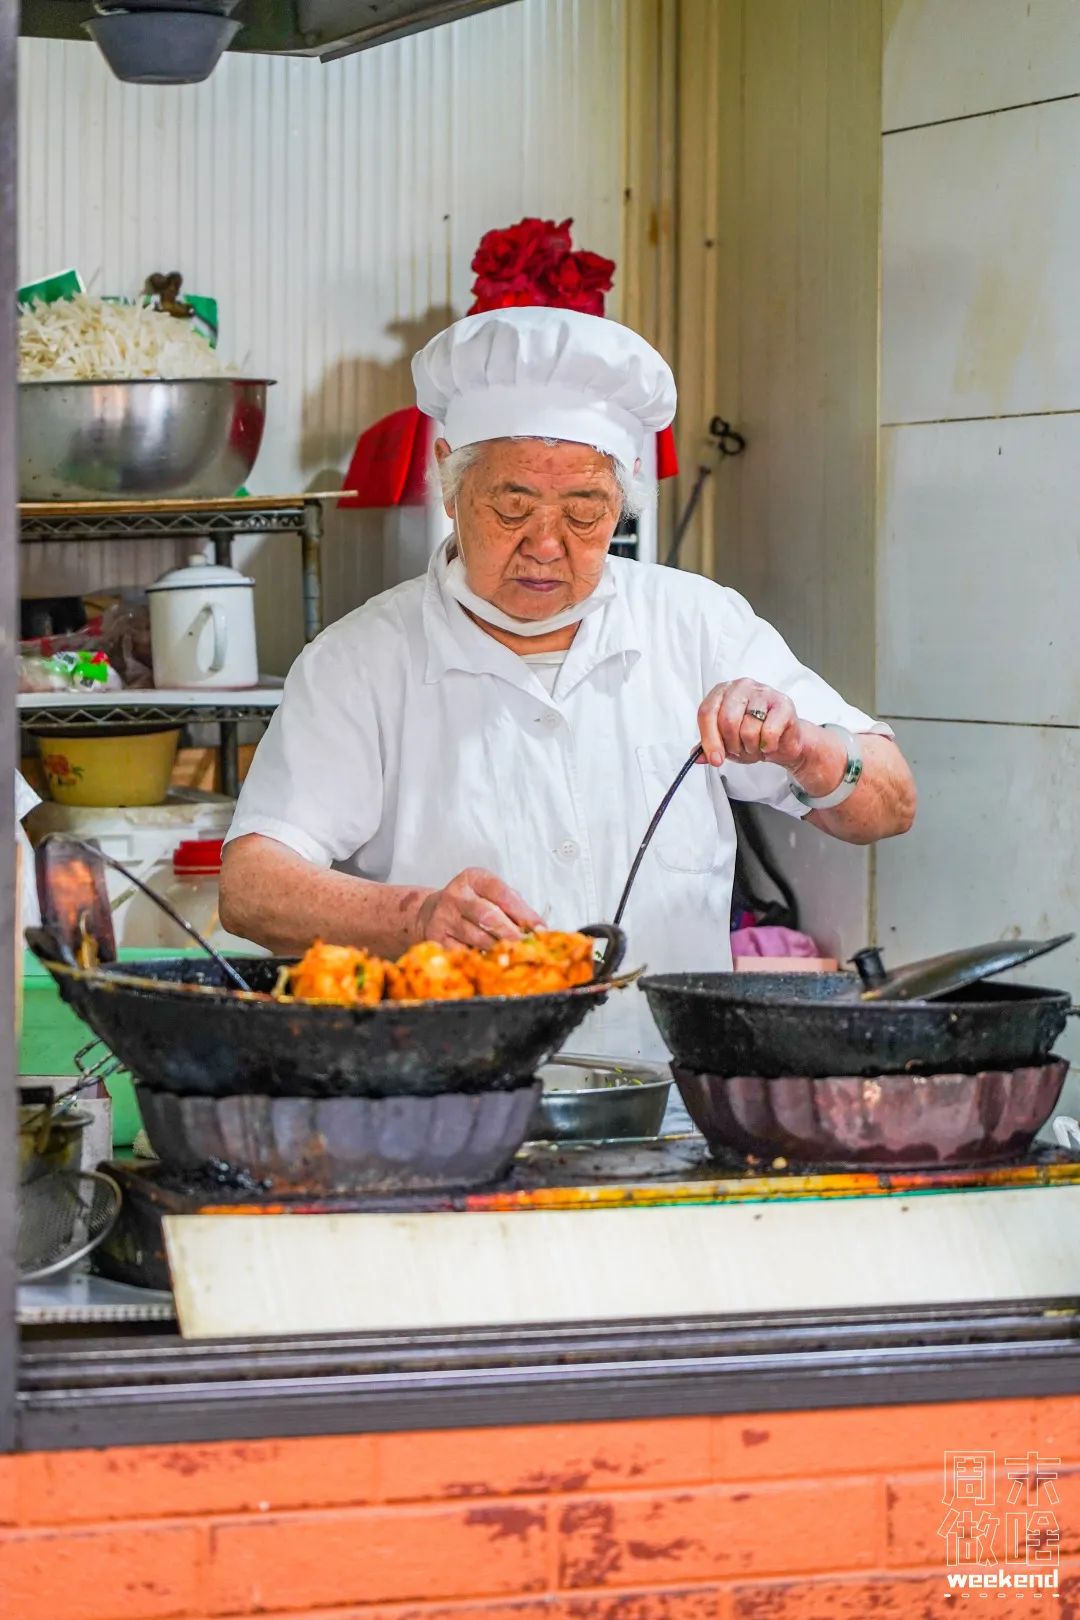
column 125, row 637
column 69, row 671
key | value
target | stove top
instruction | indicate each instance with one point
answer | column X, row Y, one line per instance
column 544, row 1176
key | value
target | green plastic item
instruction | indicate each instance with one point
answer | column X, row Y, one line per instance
column 51, row 288
column 52, row 1034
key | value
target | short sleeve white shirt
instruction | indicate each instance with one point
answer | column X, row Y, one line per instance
column 410, row 744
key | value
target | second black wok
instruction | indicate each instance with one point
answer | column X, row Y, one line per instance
column 777, row 1024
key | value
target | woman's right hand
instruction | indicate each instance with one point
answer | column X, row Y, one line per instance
column 475, row 908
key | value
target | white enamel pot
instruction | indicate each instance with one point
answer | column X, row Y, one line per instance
column 202, row 627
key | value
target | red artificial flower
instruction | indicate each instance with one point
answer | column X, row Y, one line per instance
column 586, row 303
column 578, row 281
column 494, row 287
column 524, row 248
column 507, row 300
column 596, row 272
column 533, row 263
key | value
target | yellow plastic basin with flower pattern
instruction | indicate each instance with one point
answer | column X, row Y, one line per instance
column 109, row 766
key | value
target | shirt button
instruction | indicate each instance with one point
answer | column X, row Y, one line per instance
column 550, row 720
column 569, row 850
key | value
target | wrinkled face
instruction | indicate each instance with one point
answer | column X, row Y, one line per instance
column 534, row 522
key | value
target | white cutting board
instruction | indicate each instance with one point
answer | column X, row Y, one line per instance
column 283, row 1274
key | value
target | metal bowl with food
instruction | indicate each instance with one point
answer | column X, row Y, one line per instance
column 145, row 439
column 589, row 1099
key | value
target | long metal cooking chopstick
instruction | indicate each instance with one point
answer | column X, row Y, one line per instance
column 698, row 753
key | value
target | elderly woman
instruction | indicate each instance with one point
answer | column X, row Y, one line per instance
column 477, row 752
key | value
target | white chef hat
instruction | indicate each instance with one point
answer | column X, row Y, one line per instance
column 539, row 373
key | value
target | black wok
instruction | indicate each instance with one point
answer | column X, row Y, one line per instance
column 214, row 1041
column 776, row 1024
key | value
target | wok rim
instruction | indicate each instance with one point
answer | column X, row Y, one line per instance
column 665, row 983
column 221, row 995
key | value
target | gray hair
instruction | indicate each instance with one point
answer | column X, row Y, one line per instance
column 638, row 493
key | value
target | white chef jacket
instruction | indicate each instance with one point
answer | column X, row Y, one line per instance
column 25, row 800
column 410, row 744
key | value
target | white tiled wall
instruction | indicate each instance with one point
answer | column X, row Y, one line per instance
column 994, row 853
column 979, row 570
column 981, row 242
column 948, row 59
column 979, row 539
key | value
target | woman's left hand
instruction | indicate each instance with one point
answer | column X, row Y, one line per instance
column 751, row 724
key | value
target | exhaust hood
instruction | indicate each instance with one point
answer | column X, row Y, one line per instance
column 317, row 28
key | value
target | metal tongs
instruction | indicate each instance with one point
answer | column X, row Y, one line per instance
column 698, row 753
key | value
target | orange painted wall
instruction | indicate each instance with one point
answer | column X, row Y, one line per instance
column 773, row 1516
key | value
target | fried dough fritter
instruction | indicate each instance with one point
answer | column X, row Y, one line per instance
column 536, row 965
column 573, row 952
column 339, row 974
column 344, row 976
column 431, row 972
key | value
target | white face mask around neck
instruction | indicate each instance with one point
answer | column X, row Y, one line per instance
column 452, row 577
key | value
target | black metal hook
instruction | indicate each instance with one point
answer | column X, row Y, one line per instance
column 728, row 442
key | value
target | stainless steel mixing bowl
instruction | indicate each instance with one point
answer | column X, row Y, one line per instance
column 592, row 1099
column 195, row 438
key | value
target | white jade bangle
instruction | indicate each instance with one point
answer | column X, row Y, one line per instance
column 848, row 782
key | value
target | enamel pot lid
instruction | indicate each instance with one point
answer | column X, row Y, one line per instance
column 200, row 574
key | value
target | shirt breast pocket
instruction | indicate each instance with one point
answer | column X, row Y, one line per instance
column 688, row 837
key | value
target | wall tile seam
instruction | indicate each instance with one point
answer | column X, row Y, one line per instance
column 996, row 416
column 359, row 1513
column 100, row 1528
column 719, row 1488
column 448, row 1499
column 981, row 112
column 553, row 1601
column 598, row 1487
column 959, row 720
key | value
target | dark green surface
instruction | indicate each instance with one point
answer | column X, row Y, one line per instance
column 52, row 1034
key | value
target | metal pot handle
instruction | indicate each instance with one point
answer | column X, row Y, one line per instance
column 48, row 947
column 62, row 853
column 616, row 947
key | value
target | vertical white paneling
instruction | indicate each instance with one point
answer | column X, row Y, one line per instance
column 332, row 211
column 778, row 304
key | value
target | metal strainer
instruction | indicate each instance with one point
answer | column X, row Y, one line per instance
column 62, row 1217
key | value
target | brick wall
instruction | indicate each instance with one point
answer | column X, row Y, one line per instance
column 773, row 1516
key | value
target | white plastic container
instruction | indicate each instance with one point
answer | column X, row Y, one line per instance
column 190, row 883
column 145, row 840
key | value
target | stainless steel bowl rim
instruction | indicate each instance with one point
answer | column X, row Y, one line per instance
column 638, row 1087
column 138, row 382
